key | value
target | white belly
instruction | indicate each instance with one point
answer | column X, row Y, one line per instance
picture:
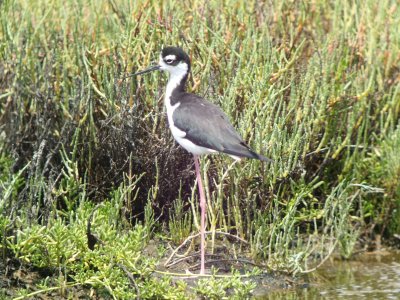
column 179, row 135
column 191, row 147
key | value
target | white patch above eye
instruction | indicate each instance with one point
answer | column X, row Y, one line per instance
column 170, row 57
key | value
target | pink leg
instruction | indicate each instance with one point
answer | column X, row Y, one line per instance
column 203, row 213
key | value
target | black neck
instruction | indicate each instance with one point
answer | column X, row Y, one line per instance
column 182, row 85
column 180, row 88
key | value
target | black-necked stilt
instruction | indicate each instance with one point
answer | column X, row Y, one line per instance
column 196, row 124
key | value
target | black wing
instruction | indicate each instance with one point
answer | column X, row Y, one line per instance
column 206, row 125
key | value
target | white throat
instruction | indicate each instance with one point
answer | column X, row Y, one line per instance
column 176, row 75
column 173, row 81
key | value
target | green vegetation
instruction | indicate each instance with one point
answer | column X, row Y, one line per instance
column 313, row 85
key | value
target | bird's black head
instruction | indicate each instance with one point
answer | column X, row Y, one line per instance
column 173, row 56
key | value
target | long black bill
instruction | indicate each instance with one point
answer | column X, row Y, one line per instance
column 153, row 68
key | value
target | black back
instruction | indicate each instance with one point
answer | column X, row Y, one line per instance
column 206, row 125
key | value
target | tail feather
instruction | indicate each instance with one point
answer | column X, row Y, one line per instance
column 246, row 152
column 260, row 157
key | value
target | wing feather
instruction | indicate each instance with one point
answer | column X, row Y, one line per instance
column 205, row 124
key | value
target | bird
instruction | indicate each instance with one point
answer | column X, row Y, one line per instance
column 198, row 125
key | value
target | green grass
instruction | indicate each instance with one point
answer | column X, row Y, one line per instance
column 313, row 85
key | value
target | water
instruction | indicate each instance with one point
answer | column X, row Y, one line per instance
column 369, row 276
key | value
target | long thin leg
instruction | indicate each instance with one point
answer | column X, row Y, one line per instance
column 203, row 208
